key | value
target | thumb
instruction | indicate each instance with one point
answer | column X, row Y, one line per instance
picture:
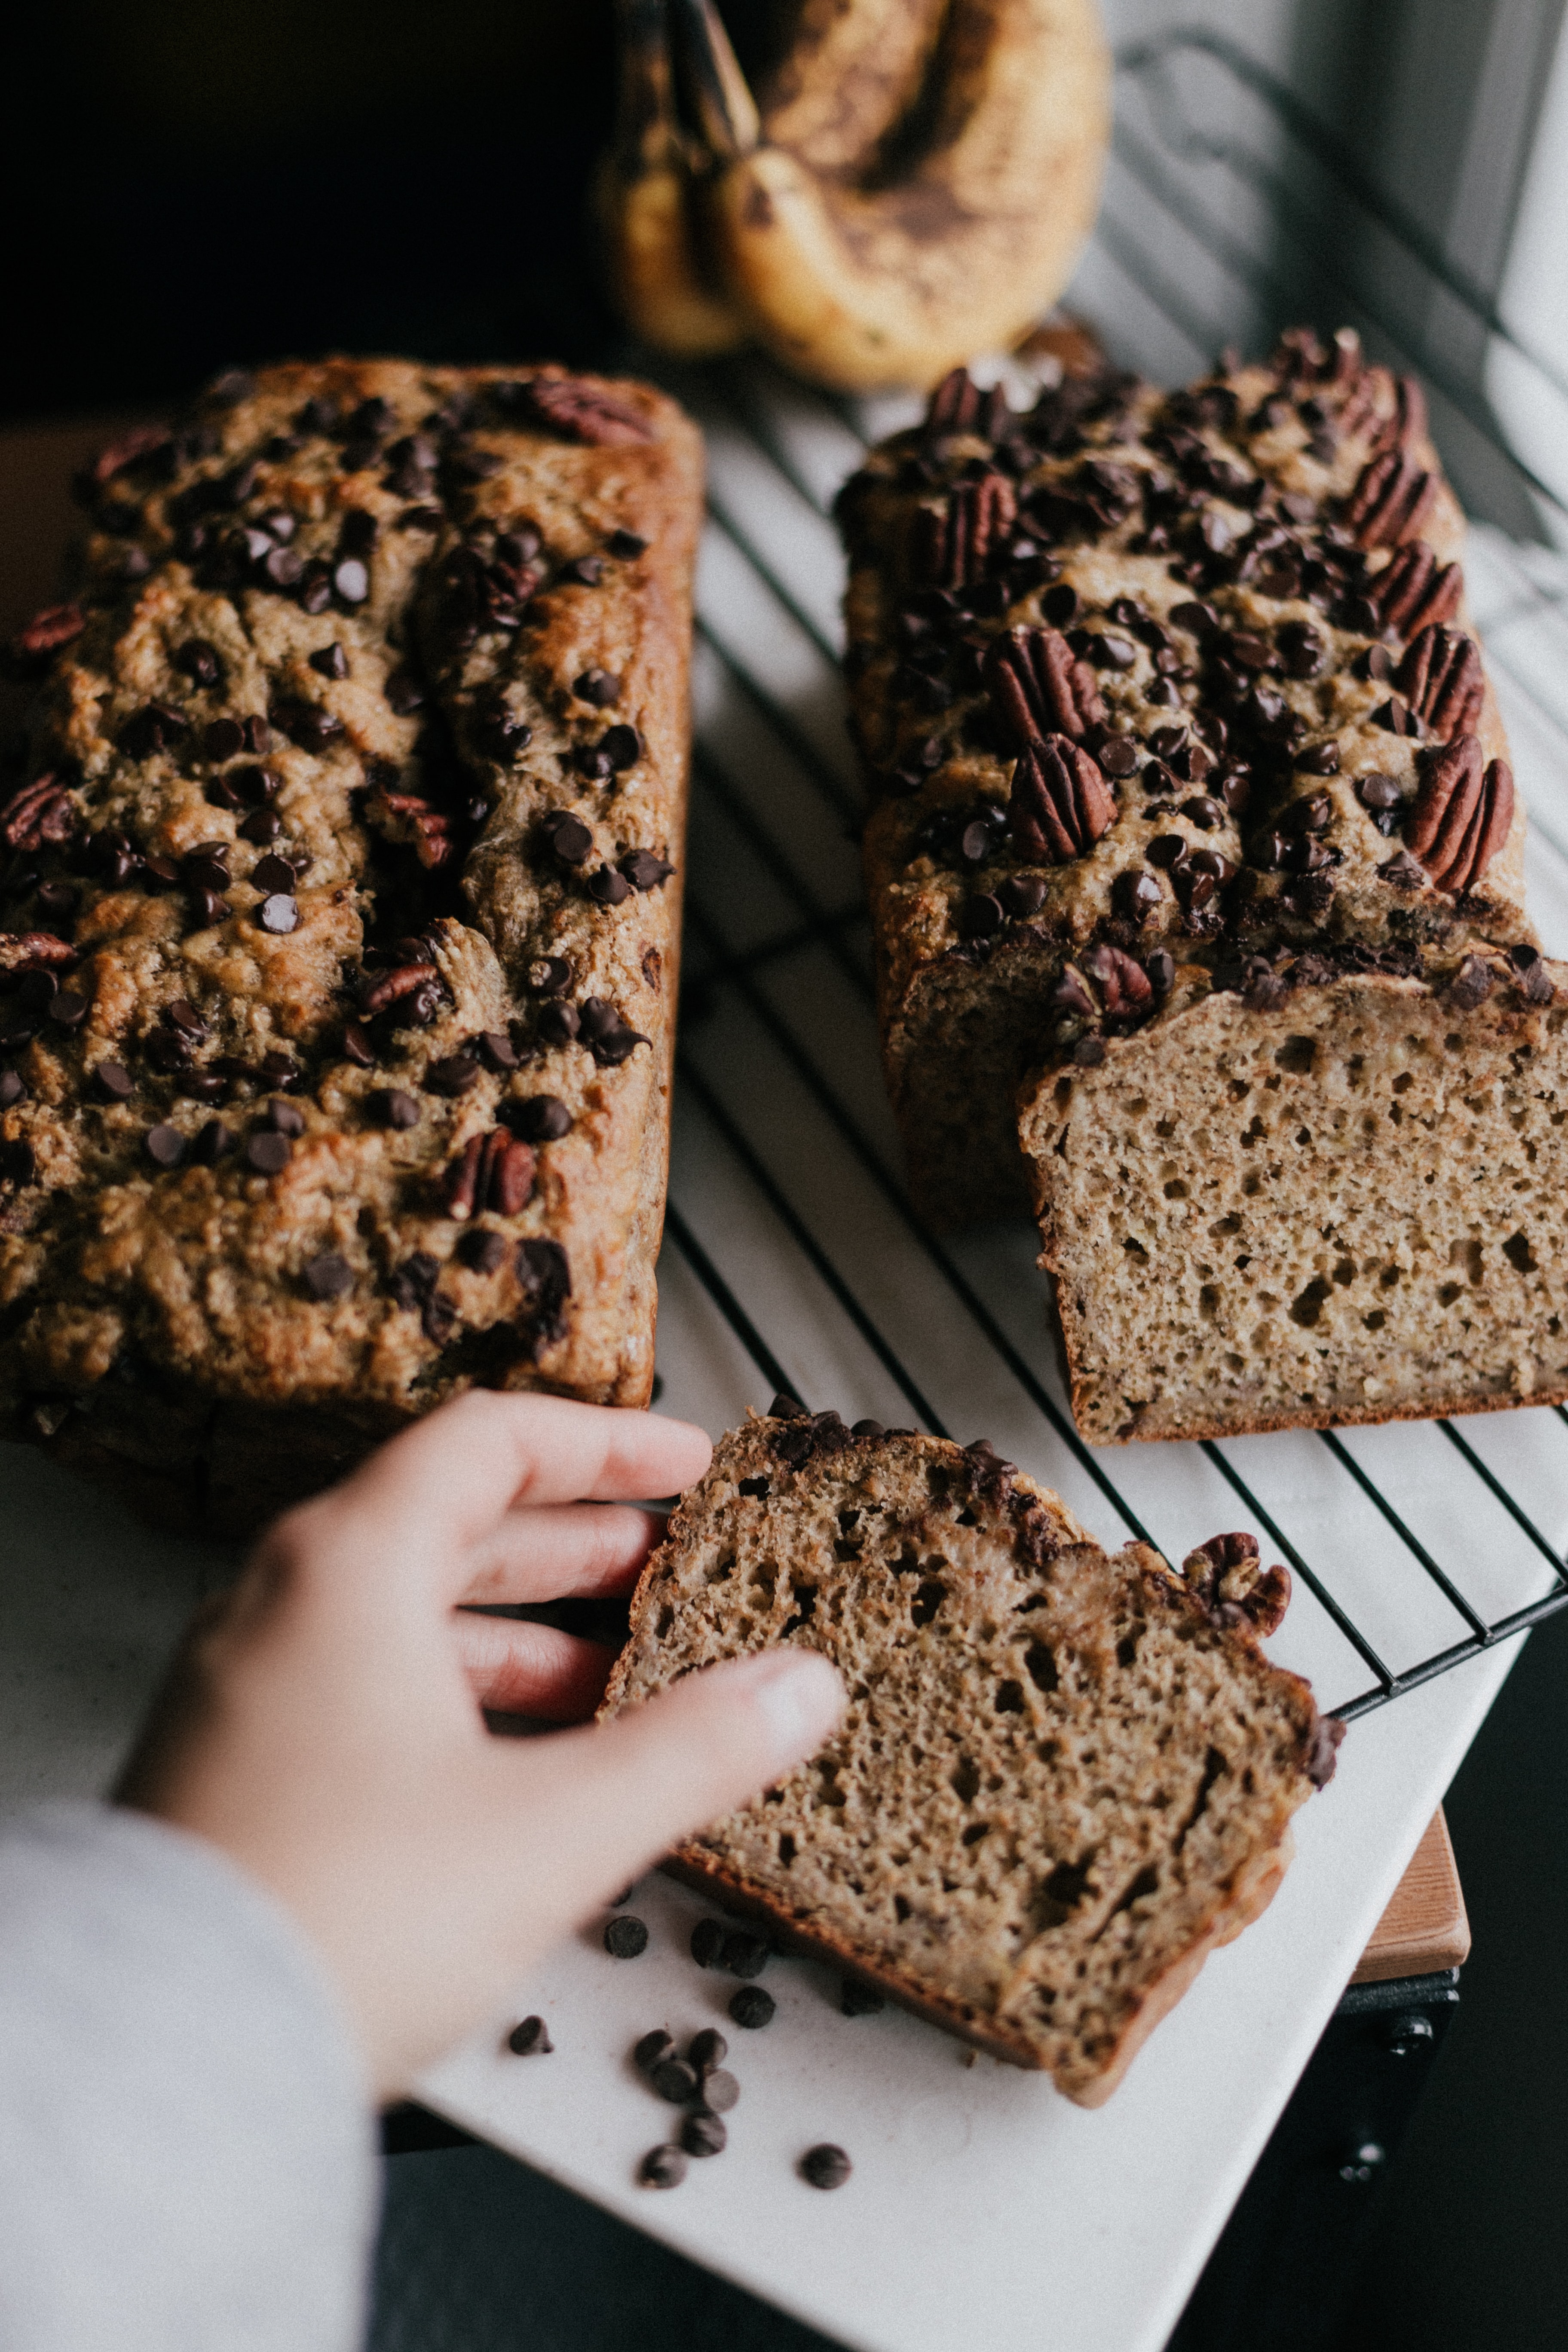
column 619, row 1795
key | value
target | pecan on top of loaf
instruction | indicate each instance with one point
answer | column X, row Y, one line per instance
column 1161, row 677
column 341, row 898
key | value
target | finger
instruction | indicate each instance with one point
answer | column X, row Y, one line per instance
column 563, row 1547
column 617, row 1797
column 436, row 1490
column 519, row 1669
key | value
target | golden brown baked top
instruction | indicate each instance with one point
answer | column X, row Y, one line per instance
column 1173, row 675
column 340, row 896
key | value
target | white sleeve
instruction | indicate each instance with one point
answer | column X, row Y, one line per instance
column 187, row 2156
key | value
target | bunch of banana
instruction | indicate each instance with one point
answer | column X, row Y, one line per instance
column 909, row 186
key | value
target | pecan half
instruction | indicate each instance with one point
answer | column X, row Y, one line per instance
column 1059, row 804
column 1408, row 422
column 1391, row 500
column 1415, row 591
column 1462, row 814
column 413, row 820
column 491, row 1171
column 392, row 985
column 1124, row 984
column 953, row 545
column 32, row 647
column 1441, row 679
column 139, row 442
column 958, row 406
column 37, row 813
column 1037, row 687
column 32, row 951
column 581, row 411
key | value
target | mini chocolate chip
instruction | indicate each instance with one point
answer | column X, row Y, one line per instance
column 166, row 1145
column 721, row 2091
column 626, row 1937
column 753, row 2007
column 113, row 1080
column 267, row 1151
column 279, row 913
column 530, row 2039
column 856, row 2000
column 706, row 1943
column 538, row 1118
column 351, row 581
column 826, row 2165
column 662, row 2167
column 329, row 1276
column 625, row 544
column 653, row 2049
column 703, row 2133
column 707, row 2049
column 330, row 661
column 674, row 2080
column 597, row 687
column 744, row 1954
column 608, row 889
column 453, row 1074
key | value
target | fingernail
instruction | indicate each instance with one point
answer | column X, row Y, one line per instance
column 800, row 1695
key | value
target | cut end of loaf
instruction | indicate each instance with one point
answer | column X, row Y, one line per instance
column 1063, row 1776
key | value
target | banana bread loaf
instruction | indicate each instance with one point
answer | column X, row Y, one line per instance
column 341, row 921
column 1140, row 679
column 1063, row 1777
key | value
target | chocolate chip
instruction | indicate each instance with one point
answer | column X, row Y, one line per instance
column 1022, row 895
column 597, row 687
column 753, row 2007
column 608, row 889
column 708, row 2050
column 826, row 2165
column 623, row 747
column 1118, row 755
column 653, row 2049
column 287, row 1117
column 706, row 1943
column 496, row 1049
column 787, row 1408
column 14, row 1087
column 1374, row 664
column 586, row 571
column 571, row 840
column 314, row 592
column 1471, row 984
column 744, row 1954
column 644, row 870
column 1161, row 967
column 351, row 581
column 720, row 2089
column 662, row 2167
column 856, row 2000
column 58, row 900
column 329, row 1276
column 212, row 1143
column 592, row 760
column 673, row 2079
column 559, row 1024
column 482, row 1249
column 1136, row 895
column 1088, row 1053
column 267, row 1151
column 550, row 976
column 17, row 1164
column 530, row 2039
column 977, row 916
column 112, row 1079
column 404, row 695
column 626, row 1937
column 1321, row 759
column 330, row 661
column 269, row 873
column 625, row 544
column 703, row 2133
column 1203, row 811
column 1377, row 791
column 166, row 1145
column 67, row 1009
column 279, row 913
column 221, row 738
column 453, row 1074
column 199, row 662
column 538, row 1118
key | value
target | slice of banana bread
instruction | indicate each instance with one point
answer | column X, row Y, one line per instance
column 1142, row 678
column 341, row 923
column 1312, row 1189
column 1064, row 1776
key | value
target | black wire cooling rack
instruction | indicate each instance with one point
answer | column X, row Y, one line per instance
column 793, row 1260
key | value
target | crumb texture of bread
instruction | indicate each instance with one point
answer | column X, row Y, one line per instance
column 1347, row 1206
column 341, row 923
column 1063, row 1776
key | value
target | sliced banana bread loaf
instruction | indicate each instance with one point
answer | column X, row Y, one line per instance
column 1063, row 1777
column 1312, row 1189
column 1142, row 677
column 341, row 923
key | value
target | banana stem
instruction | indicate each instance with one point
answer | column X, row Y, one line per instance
column 714, row 87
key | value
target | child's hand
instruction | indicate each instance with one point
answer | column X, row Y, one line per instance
column 323, row 1722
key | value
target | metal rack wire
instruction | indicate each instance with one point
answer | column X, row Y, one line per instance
column 1413, row 1547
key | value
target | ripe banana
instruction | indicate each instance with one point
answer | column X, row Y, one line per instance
column 913, row 188
column 645, row 200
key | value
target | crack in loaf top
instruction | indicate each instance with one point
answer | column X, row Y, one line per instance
column 341, row 891
column 1182, row 671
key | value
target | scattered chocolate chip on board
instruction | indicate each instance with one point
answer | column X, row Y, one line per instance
column 1064, row 1776
column 306, row 803
column 1192, row 816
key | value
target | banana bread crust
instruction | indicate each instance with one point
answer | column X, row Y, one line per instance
column 342, row 923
